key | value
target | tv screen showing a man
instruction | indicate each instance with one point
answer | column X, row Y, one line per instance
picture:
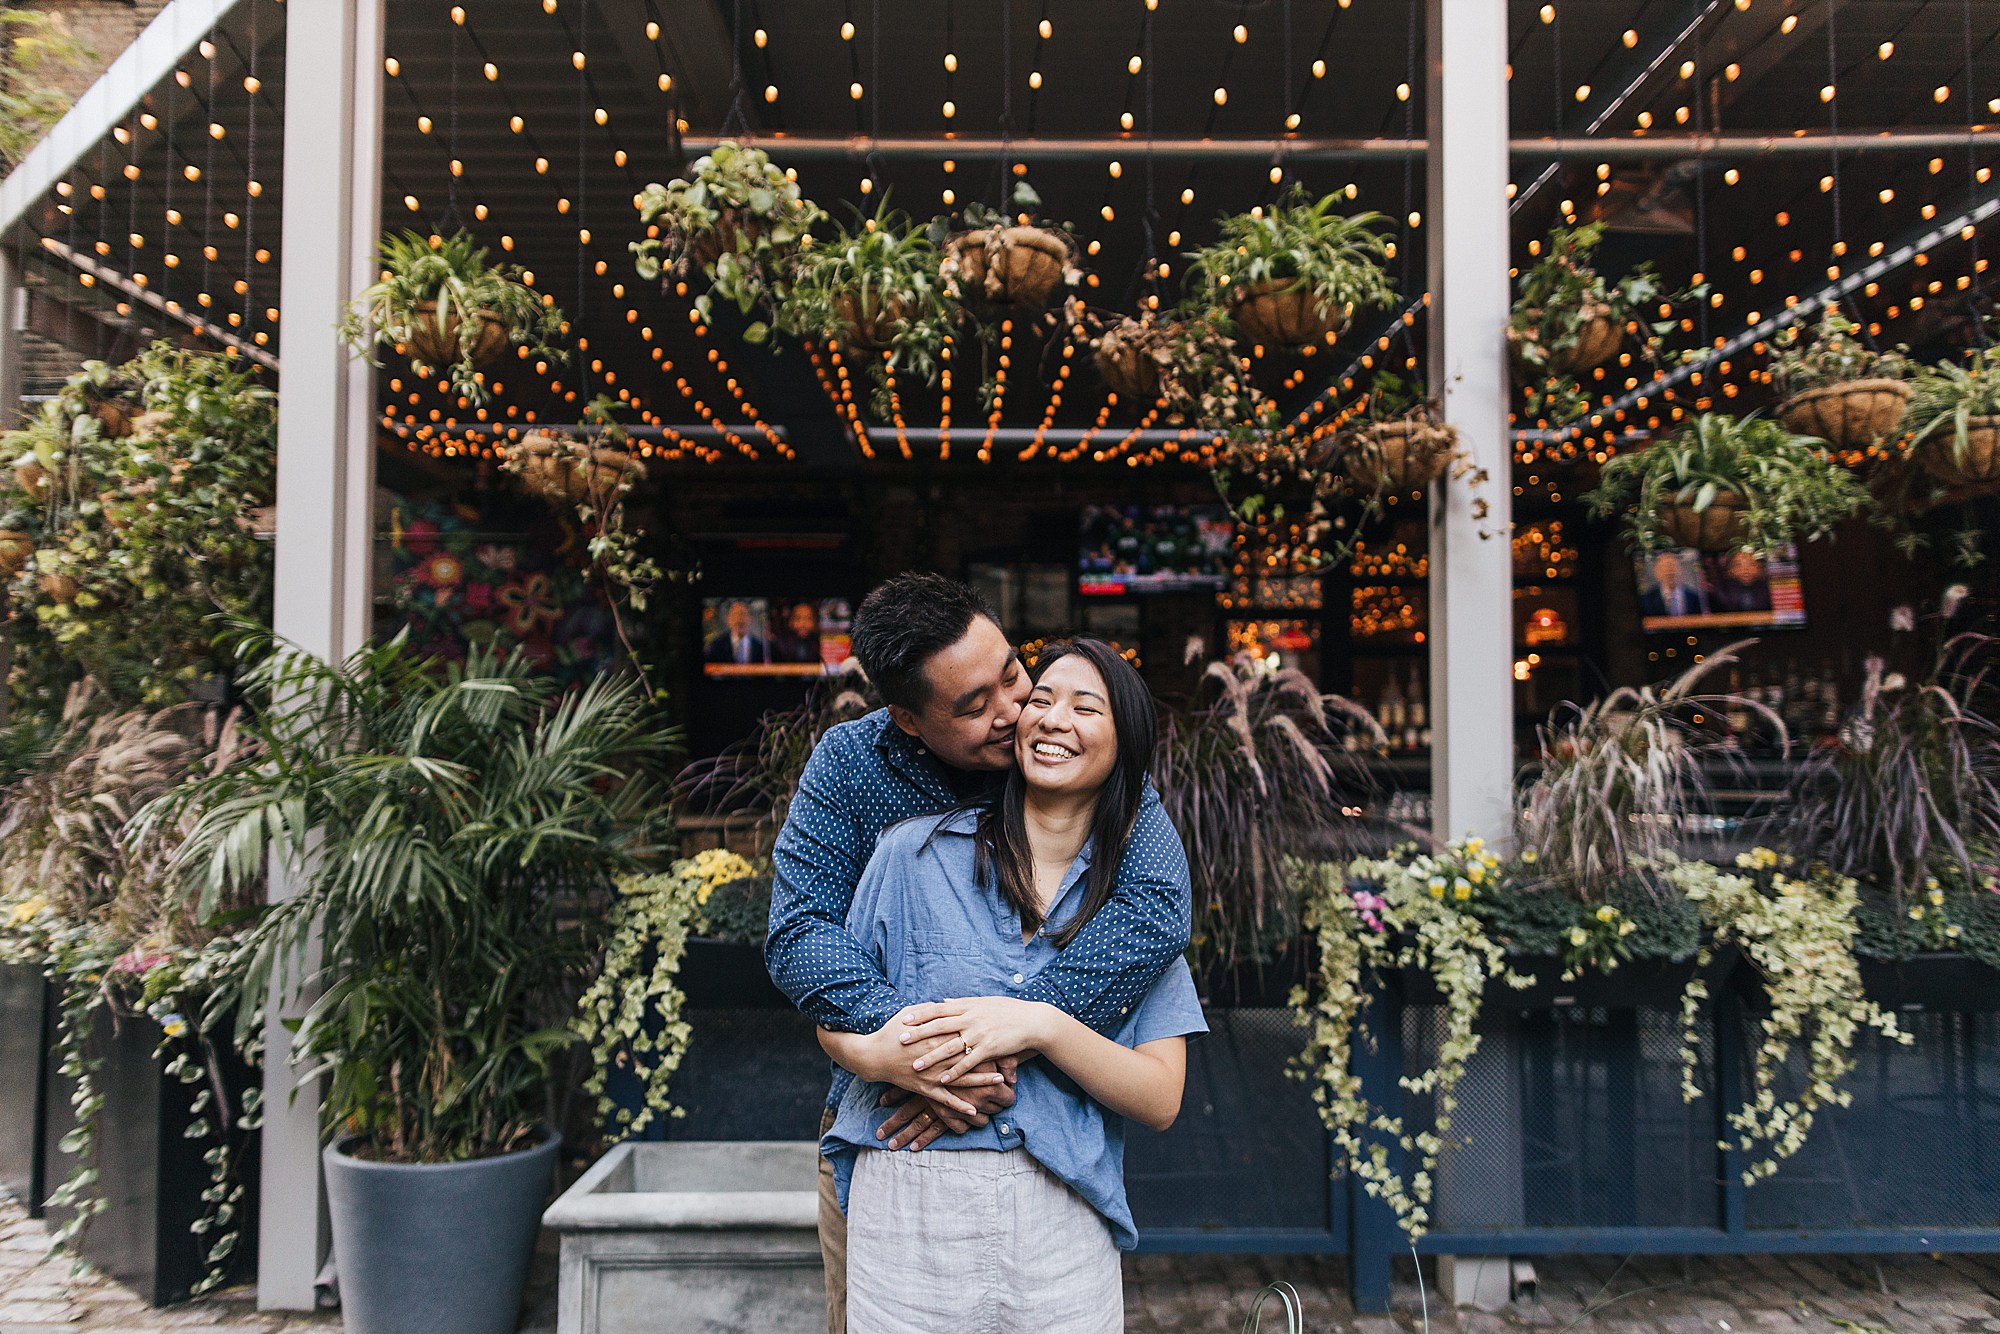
column 1694, row 590
column 733, row 633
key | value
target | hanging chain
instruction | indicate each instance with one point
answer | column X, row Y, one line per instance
column 250, row 200
column 583, row 188
column 451, row 213
column 1833, row 120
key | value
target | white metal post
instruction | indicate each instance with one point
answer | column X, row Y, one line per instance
column 1471, row 578
column 325, row 519
column 12, row 318
column 1479, row 1179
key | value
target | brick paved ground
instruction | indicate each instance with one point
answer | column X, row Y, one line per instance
column 1183, row 1294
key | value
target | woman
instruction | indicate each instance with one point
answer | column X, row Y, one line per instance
column 1018, row 1227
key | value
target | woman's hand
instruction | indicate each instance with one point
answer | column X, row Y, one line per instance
column 883, row 1057
column 985, row 1028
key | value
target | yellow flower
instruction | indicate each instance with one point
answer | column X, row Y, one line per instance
column 1461, row 891
column 1951, row 932
column 1578, row 935
column 1437, row 889
column 1930, row 882
column 1627, row 928
column 1528, row 856
column 1937, row 896
column 1473, row 845
column 27, row 909
column 1606, row 913
column 1475, row 873
column 1917, row 913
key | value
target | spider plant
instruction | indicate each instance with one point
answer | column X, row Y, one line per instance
column 1949, row 397
column 1785, row 487
column 736, row 217
column 1298, row 245
column 873, row 288
column 449, row 309
column 1618, row 779
column 1911, row 790
column 1832, row 355
column 1253, row 775
column 454, row 833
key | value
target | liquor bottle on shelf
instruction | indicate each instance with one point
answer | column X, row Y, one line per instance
column 1416, row 731
column 1829, row 700
column 1738, row 715
column 1392, row 711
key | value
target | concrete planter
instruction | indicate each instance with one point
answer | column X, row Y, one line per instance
column 25, row 1021
column 435, row 1248
column 708, row 1237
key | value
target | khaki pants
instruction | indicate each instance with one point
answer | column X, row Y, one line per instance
column 832, row 1241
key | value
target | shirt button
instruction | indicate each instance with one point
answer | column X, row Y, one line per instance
column 1019, row 978
column 1124, row 1009
column 1006, row 1129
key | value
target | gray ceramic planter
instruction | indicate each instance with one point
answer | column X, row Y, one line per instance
column 436, row 1248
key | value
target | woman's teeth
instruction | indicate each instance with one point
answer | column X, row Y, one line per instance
column 1049, row 750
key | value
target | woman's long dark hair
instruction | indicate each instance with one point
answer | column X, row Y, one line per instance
column 1004, row 858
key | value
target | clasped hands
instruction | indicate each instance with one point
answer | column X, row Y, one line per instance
column 951, row 1064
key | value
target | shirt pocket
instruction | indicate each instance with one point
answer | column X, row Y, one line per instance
column 953, row 962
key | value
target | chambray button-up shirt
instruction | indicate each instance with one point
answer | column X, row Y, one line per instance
column 921, row 914
column 869, row 774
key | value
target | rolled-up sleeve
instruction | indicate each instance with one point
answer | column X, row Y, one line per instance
column 816, row 864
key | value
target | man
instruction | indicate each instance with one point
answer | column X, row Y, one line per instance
column 954, row 688
column 1672, row 594
column 738, row 640
column 797, row 639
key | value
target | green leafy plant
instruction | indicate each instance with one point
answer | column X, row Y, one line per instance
column 735, row 217
column 1254, row 775
column 1298, row 245
column 1831, row 354
column 449, row 310
column 1566, row 313
column 37, row 53
column 1798, row 933
column 135, row 540
column 1907, row 800
column 1949, row 398
column 1373, row 918
column 1782, row 487
column 454, row 834
column 1009, row 259
column 874, row 288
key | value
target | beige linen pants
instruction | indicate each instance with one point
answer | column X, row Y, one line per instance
column 975, row 1241
column 832, row 1240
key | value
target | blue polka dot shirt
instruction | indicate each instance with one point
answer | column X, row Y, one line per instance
column 869, row 774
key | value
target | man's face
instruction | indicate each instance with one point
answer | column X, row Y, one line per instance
column 1667, row 569
column 804, row 620
column 738, row 617
column 977, row 689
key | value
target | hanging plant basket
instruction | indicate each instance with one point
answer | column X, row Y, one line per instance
column 1399, row 455
column 1010, row 266
column 437, row 347
column 1126, row 362
column 1720, row 527
column 1976, row 465
column 1271, row 316
column 1851, row 415
column 58, row 588
column 15, row 548
column 735, row 232
column 114, row 418
column 868, row 321
column 33, row 478
column 1598, row 338
column 555, row 469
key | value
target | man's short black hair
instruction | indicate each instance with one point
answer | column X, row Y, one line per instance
column 905, row 623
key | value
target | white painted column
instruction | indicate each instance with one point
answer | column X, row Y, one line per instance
column 1479, row 1179
column 1471, row 578
column 13, row 315
column 325, row 519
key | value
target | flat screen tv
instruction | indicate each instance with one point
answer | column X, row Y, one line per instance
column 1153, row 549
column 1686, row 590
column 773, row 636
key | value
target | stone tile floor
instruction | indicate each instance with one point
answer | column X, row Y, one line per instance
column 1181, row 1294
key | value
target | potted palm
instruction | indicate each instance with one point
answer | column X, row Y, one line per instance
column 1001, row 261
column 439, row 302
column 1293, row 274
column 1836, row 387
column 1724, row 483
column 737, row 218
column 454, row 834
column 1954, row 420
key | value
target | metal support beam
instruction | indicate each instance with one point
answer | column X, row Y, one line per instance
column 145, row 296
column 1094, row 148
column 326, row 482
column 1471, row 564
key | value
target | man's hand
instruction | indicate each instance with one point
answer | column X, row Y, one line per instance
column 917, row 1122
column 975, row 1030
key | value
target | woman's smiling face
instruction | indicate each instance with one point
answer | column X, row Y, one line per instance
column 1066, row 741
